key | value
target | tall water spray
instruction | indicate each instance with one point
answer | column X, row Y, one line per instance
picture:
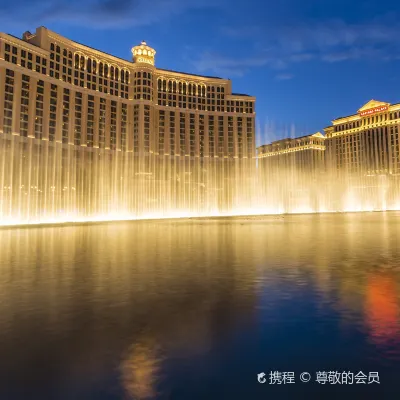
column 48, row 182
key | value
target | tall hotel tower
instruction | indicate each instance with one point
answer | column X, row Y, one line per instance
column 81, row 128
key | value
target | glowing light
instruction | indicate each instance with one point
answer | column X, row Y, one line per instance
column 374, row 110
column 121, row 187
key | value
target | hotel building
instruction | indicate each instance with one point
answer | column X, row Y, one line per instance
column 367, row 142
column 355, row 166
column 290, row 171
column 305, row 154
column 58, row 90
column 83, row 131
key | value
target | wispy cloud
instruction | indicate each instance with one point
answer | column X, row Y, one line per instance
column 227, row 66
column 279, row 47
column 284, row 77
column 95, row 13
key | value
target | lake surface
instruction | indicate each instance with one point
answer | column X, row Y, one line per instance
column 195, row 309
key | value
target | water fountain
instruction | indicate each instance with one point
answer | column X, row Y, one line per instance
column 48, row 182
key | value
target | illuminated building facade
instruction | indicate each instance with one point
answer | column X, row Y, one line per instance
column 305, row 154
column 289, row 170
column 366, row 143
column 58, row 90
column 84, row 134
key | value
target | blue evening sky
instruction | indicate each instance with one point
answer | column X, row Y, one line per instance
column 307, row 62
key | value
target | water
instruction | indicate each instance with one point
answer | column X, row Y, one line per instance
column 47, row 182
column 195, row 309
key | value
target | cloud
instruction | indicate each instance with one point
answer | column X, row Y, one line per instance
column 95, row 13
column 279, row 47
column 284, row 77
column 226, row 66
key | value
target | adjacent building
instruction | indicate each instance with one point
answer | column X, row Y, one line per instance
column 355, row 166
column 289, row 169
column 305, row 154
column 366, row 142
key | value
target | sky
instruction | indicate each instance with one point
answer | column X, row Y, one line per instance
column 307, row 62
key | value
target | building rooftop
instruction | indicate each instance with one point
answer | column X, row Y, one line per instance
column 101, row 51
column 352, row 115
column 188, row 73
column 317, row 134
column 21, row 40
column 125, row 60
column 241, row 94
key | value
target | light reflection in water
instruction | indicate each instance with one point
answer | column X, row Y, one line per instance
column 140, row 370
column 382, row 308
column 129, row 309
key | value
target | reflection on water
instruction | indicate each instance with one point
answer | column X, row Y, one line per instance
column 140, row 371
column 382, row 309
column 193, row 309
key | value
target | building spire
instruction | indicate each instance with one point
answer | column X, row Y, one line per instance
column 143, row 53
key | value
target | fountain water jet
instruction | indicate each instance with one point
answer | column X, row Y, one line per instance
column 48, row 182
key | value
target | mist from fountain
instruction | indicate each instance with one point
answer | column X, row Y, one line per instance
column 48, row 182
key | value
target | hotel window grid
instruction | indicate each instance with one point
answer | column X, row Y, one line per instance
column 124, row 121
column 172, row 132
column 39, row 110
column 146, row 128
column 11, row 54
column 67, row 66
column 8, row 101
column 161, row 131
column 249, row 107
column 24, row 116
column 211, row 98
column 201, row 134
column 102, row 123
column 143, row 85
column 114, row 76
column 211, row 137
column 250, row 138
column 65, row 117
column 24, row 58
column 230, row 136
column 125, row 77
column 192, row 135
column 220, row 99
column 90, row 121
column 113, row 126
column 53, row 113
column 78, row 118
column 220, row 136
column 136, row 127
column 240, row 136
column 79, row 73
column 55, row 59
column 173, row 93
column 91, row 73
column 182, row 134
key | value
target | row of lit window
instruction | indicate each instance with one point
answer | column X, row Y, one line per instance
column 8, row 101
column 187, row 88
column 94, row 70
column 56, row 71
column 368, row 120
column 25, row 58
column 91, row 66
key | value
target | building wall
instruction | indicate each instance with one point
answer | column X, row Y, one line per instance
column 365, row 144
column 61, row 91
column 301, row 155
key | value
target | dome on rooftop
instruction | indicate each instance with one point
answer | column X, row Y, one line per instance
column 143, row 53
